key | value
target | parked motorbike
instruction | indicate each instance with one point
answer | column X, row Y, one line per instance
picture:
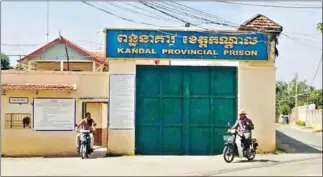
column 230, row 150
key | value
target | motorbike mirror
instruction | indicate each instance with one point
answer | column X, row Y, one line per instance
column 94, row 124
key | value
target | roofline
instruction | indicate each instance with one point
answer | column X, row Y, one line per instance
column 254, row 17
column 68, row 42
column 22, row 60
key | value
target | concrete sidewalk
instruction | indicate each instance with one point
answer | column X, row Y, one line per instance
column 143, row 165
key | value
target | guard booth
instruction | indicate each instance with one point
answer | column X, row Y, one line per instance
column 172, row 92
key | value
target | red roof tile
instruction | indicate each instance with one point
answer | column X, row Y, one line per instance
column 260, row 22
column 98, row 54
column 58, row 87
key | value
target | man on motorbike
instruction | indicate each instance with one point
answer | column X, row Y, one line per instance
column 86, row 124
column 244, row 125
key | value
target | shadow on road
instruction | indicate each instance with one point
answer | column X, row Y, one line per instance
column 260, row 160
column 292, row 145
column 96, row 154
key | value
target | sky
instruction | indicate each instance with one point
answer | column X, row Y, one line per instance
column 25, row 23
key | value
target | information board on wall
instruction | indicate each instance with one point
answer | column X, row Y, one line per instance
column 122, row 101
column 54, row 114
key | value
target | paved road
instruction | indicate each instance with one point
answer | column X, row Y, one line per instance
column 308, row 167
column 298, row 141
column 304, row 160
column 157, row 165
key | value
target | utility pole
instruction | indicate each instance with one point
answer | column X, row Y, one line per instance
column 67, row 57
column 296, row 96
column 47, row 21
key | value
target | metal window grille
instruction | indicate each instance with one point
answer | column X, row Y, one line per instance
column 18, row 121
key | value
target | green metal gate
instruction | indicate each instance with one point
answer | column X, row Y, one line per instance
column 184, row 110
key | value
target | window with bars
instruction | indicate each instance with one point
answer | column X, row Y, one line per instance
column 18, row 121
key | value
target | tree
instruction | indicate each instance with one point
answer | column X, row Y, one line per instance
column 320, row 27
column 316, row 97
column 282, row 97
column 5, row 62
column 284, row 108
column 286, row 91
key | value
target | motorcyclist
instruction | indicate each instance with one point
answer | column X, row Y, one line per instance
column 244, row 125
column 86, row 124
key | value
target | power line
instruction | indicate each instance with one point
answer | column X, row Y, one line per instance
column 300, row 40
column 168, row 14
column 143, row 9
column 208, row 29
column 162, row 6
column 179, row 19
column 120, row 17
column 19, row 45
column 201, row 12
column 179, row 11
column 165, row 13
column 275, row 6
column 317, row 70
column 33, row 45
column 136, row 11
column 47, row 21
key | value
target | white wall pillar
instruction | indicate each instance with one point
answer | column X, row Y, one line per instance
column 121, row 141
column 93, row 66
column 62, row 65
column 256, row 95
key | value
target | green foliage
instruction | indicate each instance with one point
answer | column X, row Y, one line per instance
column 285, row 95
column 300, row 123
column 284, row 108
column 316, row 97
column 5, row 62
column 320, row 27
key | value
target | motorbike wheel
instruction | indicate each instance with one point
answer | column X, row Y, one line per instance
column 228, row 154
column 83, row 151
column 251, row 156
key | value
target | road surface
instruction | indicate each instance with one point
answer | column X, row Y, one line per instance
column 304, row 160
column 297, row 141
column 302, row 167
column 285, row 164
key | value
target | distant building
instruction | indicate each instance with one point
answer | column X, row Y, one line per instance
column 54, row 57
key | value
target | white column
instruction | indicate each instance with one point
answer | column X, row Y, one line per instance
column 93, row 66
column 62, row 66
column 257, row 96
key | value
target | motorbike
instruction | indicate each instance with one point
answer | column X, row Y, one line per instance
column 231, row 150
column 85, row 146
column 85, row 142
